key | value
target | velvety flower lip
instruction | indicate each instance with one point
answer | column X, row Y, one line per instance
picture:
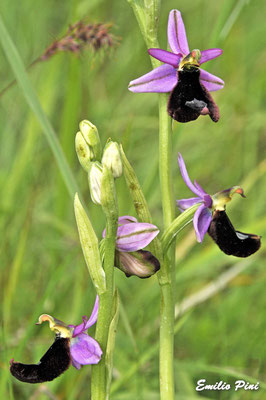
column 163, row 80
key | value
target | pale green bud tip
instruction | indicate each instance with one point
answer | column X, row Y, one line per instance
column 112, row 159
column 84, row 152
column 89, row 132
column 95, row 176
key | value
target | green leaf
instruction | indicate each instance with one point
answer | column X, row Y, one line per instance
column 27, row 88
column 90, row 247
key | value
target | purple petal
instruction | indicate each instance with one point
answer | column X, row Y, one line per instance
column 186, row 178
column 161, row 79
column 201, row 221
column 183, row 204
column 87, row 323
column 135, row 236
column 79, row 328
column 166, row 56
column 85, row 350
column 75, row 364
column 125, row 219
column 176, row 33
column 198, row 186
column 209, row 54
column 93, row 318
column 207, row 199
column 211, row 82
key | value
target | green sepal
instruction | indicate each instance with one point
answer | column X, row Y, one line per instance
column 139, row 202
column 90, row 247
column 108, row 195
column 91, row 135
column 84, row 152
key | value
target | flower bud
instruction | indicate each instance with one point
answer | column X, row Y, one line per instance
column 140, row 263
column 91, row 136
column 90, row 247
column 95, row 175
column 112, row 159
column 84, row 151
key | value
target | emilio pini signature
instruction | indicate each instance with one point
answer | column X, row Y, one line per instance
column 221, row 385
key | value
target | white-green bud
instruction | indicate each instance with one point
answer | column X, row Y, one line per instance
column 91, row 136
column 95, row 175
column 84, row 151
column 112, row 159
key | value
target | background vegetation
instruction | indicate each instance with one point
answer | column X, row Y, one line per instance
column 42, row 268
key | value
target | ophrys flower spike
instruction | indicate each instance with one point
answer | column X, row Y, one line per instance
column 182, row 76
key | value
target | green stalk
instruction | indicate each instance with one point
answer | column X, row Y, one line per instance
column 177, row 226
column 167, row 272
column 109, row 204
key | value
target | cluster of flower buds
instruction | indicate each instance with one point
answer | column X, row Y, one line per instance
column 89, row 152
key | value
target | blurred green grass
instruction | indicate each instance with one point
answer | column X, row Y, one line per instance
column 42, row 269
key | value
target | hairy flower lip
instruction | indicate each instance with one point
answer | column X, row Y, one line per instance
column 229, row 240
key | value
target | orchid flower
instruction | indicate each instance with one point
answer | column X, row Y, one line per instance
column 132, row 237
column 72, row 345
column 211, row 217
column 180, row 74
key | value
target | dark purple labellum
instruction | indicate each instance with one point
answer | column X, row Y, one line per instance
column 189, row 98
column 229, row 240
column 54, row 362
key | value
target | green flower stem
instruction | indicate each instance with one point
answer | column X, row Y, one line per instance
column 109, row 204
column 167, row 272
column 177, row 225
